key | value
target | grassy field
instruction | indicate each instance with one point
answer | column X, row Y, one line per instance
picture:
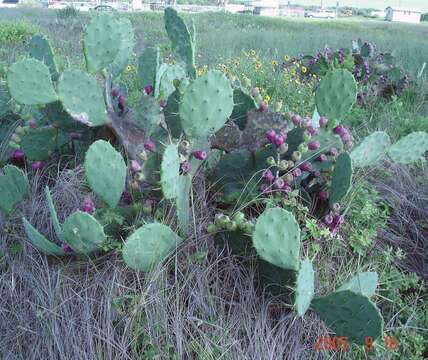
column 202, row 303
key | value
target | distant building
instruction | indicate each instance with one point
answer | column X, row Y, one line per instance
column 266, row 7
column 402, row 15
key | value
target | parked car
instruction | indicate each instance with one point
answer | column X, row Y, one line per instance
column 321, row 14
column 103, row 8
column 8, row 3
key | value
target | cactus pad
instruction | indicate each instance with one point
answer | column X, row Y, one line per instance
column 182, row 203
column 206, row 105
column 350, row 314
column 371, row 150
column 149, row 245
column 82, row 97
column 305, row 284
column 336, row 93
column 5, row 100
column 364, row 283
column 30, row 83
column 126, row 48
column 409, row 148
column 148, row 64
column 148, row 114
column 243, row 102
column 13, row 188
column 172, row 118
column 83, row 233
column 41, row 50
column 171, row 73
column 277, row 238
column 39, row 143
column 342, row 178
column 102, row 42
column 105, row 171
column 54, row 217
column 40, row 242
column 169, row 173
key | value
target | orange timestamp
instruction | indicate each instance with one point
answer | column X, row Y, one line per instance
column 340, row 343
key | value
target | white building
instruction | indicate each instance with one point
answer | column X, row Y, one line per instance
column 266, row 7
column 402, row 15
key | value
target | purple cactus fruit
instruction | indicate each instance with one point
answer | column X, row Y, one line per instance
column 127, row 198
column 270, row 135
column 339, row 219
column 263, row 106
column 32, row 123
column 279, row 140
column 296, row 119
column 346, row 136
column 314, row 145
column 340, row 130
column 200, row 155
column 115, row 93
column 328, row 219
column 323, row 121
column 264, row 188
column 307, row 122
column 36, row 165
column 185, row 167
column 148, row 89
column 306, row 166
column 67, row 248
column 349, row 144
column 316, row 173
column 333, row 151
column 18, row 155
column 323, row 195
column 287, row 189
column 88, row 205
column 279, row 183
column 149, row 145
column 135, row 166
column 121, row 102
column 267, row 175
column 322, row 158
column 311, row 130
column 297, row 172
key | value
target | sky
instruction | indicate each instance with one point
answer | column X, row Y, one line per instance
column 376, row 4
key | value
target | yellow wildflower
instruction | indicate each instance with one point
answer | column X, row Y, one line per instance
column 129, row 68
column 286, row 58
column 253, row 52
column 304, row 69
column 257, row 65
column 274, row 63
column 267, row 98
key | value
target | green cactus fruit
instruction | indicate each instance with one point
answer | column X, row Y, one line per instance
column 364, row 283
column 82, row 97
column 350, row 314
column 40, row 242
column 341, row 179
column 40, row 49
column 148, row 64
column 105, row 171
column 5, row 100
column 39, row 143
column 148, row 115
column 83, row 233
column 102, row 42
column 170, row 168
column 277, row 238
column 126, row 47
column 30, row 83
column 181, row 39
column 54, row 217
column 149, row 245
column 409, row 148
column 172, row 117
column 182, row 203
column 207, row 104
column 305, row 287
column 335, row 94
column 171, row 73
column 243, row 103
column 14, row 188
column 371, row 150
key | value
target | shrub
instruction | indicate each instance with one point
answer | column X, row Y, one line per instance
column 67, row 13
column 16, row 32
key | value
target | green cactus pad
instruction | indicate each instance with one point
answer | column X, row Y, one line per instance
column 364, row 283
column 409, row 148
column 336, row 93
column 105, row 171
column 83, row 233
column 170, row 168
column 207, row 104
column 40, row 242
column 148, row 64
column 59, row 118
column 171, row 73
column 277, row 238
column 243, row 103
column 41, row 50
column 342, row 178
column 183, row 203
column 172, row 117
column 82, row 97
column 39, row 143
column 5, row 100
column 126, row 48
column 371, row 150
column 149, row 245
column 148, row 114
column 181, row 39
column 305, row 287
column 350, row 314
column 54, row 217
column 13, row 188
column 102, row 42
column 30, row 83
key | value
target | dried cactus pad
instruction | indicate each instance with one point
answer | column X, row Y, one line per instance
column 341, row 179
column 170, row 168
column 371, row 150
column 105, row 171
column 206, row 105
column 13, row 188
column 305, row 287
column 40, row 242
column 409, row 148
column 336, row 93
column 277, row 238
column 40, row 49
column 364, row 283
column 350, row 314
column 30, row 83
column 149, row 245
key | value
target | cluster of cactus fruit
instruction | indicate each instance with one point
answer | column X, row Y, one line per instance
column 180, row 121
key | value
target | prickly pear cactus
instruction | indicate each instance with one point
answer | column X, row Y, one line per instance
column 276, row 238
column 172, row 117
column 149, row 245
column 40, row 49
column 126, row 47
column 409, row 148
column 170, row 168
column 39, row 143
column 364, row 283
column 148, row 64
column 305, row 287
column 83, row 233
column 40, row 242
column 30, row 83
column 350, row 314
column 5, row 100
column 14, row 188
column 105, row 171
column 54, row 217
column 148, row 114
column 371, row 150
column 171, row 73
column 342, row 178
column 243, row 103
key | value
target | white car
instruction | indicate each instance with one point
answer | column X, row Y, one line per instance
column 8, row 3
column 321, row 14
